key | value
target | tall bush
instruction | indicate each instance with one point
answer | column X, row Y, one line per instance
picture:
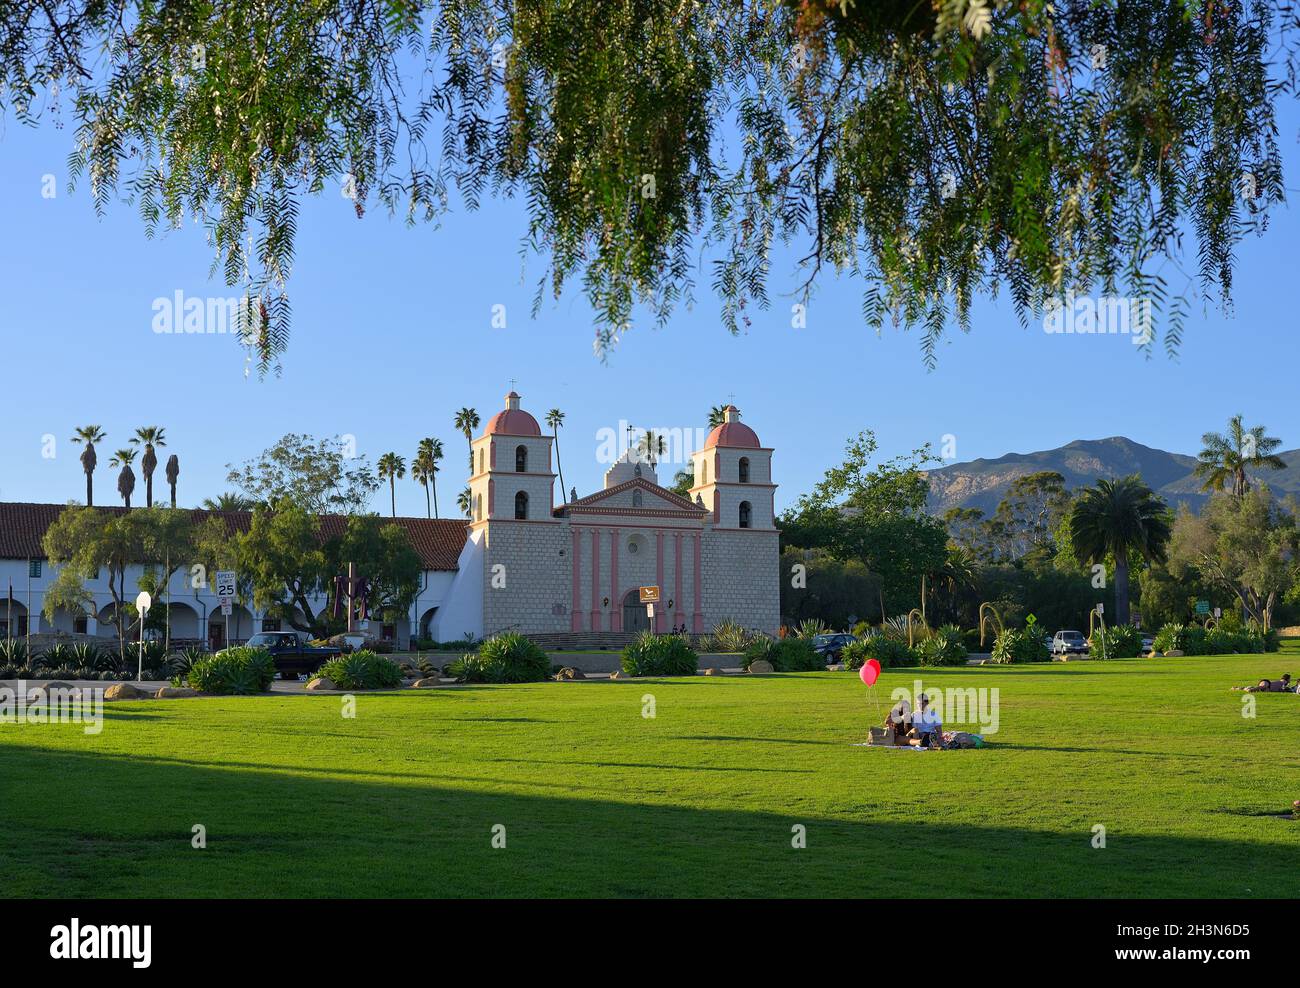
column 362, row 670
column 504, row 658
column 659, row 655
column 239, row 671
column 1123, row 641
column 1020, row 645
column 785, row 655
column 945, row 647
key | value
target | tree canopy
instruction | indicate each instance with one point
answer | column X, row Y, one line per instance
column 934, row 151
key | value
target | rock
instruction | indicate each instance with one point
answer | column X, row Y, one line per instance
column 175, row 693
column 57, row 684
column 761, row 667
column 835, row 667
column 710, row 671
column 124, row 691
column 321, row 683
column 568, row 672
column 618, row 674
column 428, row 683
column 1174, row 653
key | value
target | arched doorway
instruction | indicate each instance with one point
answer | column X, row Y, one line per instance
column 635, row 618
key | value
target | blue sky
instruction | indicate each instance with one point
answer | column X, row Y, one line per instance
column 392, row 333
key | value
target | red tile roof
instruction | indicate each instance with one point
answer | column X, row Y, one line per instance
column 22, row 528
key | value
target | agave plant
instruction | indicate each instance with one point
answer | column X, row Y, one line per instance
column 13, row 652
column 810, row 628
column 85, row 655
column 180, row 662
column 57, row 656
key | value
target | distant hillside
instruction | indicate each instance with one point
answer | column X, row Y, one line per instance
column 982, row 483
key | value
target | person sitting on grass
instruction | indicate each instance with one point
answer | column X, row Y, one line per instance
column 927, row 723
column 899, row 720
column 1282, row 685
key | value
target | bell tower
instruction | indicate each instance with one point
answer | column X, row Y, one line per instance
column 733, row 476
column 511, row 477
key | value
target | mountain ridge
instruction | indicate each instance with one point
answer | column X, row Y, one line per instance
column 982, row 482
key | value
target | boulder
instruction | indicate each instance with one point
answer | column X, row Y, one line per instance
column 428, row 683
column 175, row 693
column 321, row 683
column 57, row 684
column 1174, row 653
column 711, row 671
column 761, row 667
column 124, row 691
column 568, row 672
column 619, row 674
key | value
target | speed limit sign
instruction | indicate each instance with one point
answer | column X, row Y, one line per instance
column 225, row 585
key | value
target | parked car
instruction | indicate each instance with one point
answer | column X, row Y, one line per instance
column 293, row 653
column 830, row 646
column 1069, row 643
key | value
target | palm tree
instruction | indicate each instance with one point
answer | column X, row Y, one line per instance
column 126, row 479
column 149, row 436
column 467, row 422
column 465, row 501
column 424, row 468
column 1118, row 517
column 1226, row 457
column 229, row 502
column 555, row 419
column 717, row 415
column 89, row 434
column 391, row 467
column 173, row 473
column 653, row 445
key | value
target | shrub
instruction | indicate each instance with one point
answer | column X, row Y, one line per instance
column 1172, row 637
column 728, row 636
column 1123, row 641
column 504, row 658
column 660, row 655
column 236, row 670
column 181, row 662
column 86, row 656
column 1020, row 645
column 13, row 652
column 1194, row 640
column 362, row 670
column 884, row 649
column 785, row 654
column 1271, row 640
column 810, row 628
column 56, row 656
column 1230, row 641
column 946, row 647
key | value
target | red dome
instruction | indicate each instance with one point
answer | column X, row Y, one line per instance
column 732, row 434
column 512, row 422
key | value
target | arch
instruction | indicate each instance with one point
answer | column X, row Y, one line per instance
column 744, row 469
column 704, row 471
column 478, row 507
column 426, row 622
column 521, row 459
column 635, row 618
column 746, row 514
column 521, row 506
column 19, row 613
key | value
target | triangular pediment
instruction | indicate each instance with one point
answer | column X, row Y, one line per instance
column 635, row 496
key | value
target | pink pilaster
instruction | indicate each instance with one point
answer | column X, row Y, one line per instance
column 595, row 579
column 575, row 621
column 659, row 580
column 615, row 604
column 678, row 619
column 697, row 619
column 492, row 498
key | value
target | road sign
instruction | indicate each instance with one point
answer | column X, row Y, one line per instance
column 143, row 602
column 1202, row 607
column 649, row 595
column 225, row 586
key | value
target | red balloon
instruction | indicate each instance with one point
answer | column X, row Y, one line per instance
column 870, row 672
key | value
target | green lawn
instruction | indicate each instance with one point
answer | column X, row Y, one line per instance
column 699, row 801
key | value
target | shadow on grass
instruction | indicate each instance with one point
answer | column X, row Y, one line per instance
column 100, row 825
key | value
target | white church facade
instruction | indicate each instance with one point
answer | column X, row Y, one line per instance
column 520, row 562
column 533, row 567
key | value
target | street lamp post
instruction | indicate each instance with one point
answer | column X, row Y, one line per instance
column 142, row 604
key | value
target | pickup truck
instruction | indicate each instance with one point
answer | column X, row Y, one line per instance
column 294, row 655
